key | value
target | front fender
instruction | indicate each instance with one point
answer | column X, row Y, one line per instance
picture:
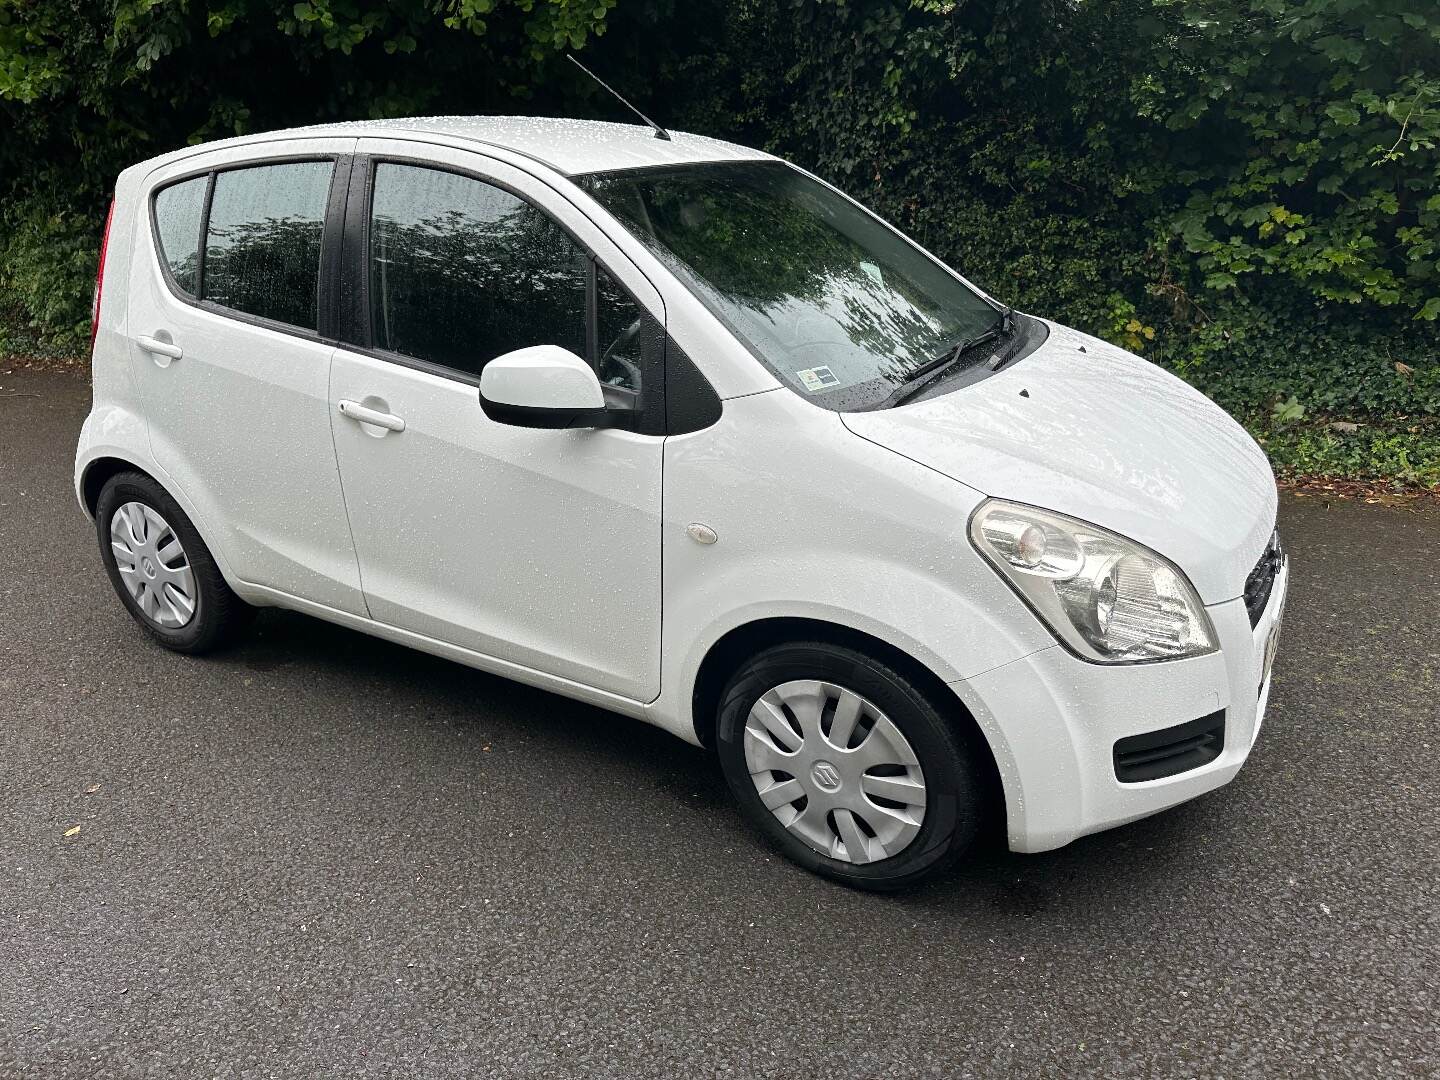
column 814, row 522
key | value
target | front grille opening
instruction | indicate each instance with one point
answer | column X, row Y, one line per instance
column 1170, row 751
column 1262, row 580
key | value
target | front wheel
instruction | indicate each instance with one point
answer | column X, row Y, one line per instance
column 847, row 766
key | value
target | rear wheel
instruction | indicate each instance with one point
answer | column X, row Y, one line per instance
column 847, row 766
column 161, row 569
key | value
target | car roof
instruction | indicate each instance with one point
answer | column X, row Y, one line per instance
column 568, row 146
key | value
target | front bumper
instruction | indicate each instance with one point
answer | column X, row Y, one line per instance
column 1053, row 721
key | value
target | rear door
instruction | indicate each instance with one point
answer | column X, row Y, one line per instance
column 538, row 548
column 231, row 347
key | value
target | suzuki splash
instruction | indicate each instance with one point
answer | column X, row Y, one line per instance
column 675, row 428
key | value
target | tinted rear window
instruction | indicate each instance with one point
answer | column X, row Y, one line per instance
column 262, row 247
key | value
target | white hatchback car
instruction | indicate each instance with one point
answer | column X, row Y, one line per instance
column 674, row 428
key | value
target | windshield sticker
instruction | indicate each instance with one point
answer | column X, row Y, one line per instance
column 873, row 273
column 816, row 379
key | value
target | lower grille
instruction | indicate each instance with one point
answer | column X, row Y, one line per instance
column 1262, row 580
column 1173, row 750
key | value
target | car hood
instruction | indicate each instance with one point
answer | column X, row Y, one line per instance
column 1084, row 428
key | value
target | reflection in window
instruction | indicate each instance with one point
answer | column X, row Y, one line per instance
column 262, row 249
column 462, row 271
column 828, row 297
column 178, row 209
column 621, row 328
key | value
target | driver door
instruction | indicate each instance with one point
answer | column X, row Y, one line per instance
column 537, row 548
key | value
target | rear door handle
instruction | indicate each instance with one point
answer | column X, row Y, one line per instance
column 355, row 411
column 156, row 347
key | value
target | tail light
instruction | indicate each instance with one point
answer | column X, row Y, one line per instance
column 100, row 276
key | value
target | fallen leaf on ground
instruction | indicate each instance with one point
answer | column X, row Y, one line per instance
column 92, row 789
column 1384, row 491
column 72, row 832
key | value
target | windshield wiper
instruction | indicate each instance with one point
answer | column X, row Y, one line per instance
column 928, row 372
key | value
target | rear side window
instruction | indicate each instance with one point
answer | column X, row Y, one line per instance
column 262, row 243
column 179, row 209
column 462, row 271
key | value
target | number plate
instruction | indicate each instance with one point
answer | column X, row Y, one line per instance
column 1272, row 641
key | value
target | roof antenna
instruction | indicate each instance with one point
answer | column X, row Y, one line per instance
column 660, row 132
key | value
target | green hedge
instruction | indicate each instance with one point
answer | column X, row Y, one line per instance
column 48, row 247
column 1246, row 191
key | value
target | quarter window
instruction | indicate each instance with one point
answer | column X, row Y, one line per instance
column 262, row 244
column 621, row 329
column 179, row 209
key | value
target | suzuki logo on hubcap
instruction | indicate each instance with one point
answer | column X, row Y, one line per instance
column 825, row 775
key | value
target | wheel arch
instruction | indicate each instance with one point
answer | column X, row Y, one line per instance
column 742, row 642
column 98, row 472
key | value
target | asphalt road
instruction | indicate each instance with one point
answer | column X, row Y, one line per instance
column 322, row 855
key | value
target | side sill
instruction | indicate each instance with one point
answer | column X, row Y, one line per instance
column 492, row 665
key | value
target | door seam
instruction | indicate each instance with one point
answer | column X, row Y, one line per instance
column 340, row 480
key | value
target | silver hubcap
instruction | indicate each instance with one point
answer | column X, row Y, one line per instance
column 153, row 565
column 835, row 771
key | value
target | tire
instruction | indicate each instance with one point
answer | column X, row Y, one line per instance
column 216, row 614
column 797, row 676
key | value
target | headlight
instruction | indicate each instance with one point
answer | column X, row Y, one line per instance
column 1107, row 598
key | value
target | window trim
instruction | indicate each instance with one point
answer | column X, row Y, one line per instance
column 331, row 254
column 163, row 260
column 344, row 300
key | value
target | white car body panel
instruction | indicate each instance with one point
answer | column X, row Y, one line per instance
column 1052, row 721
column 793, row 542
column 542, row 377
column 241, row 423
column 506, row 515
column 1106, row 437
column 488, row 544
column 568, row 147
column 512, row 545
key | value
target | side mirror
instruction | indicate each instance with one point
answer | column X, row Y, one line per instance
column 543, row 386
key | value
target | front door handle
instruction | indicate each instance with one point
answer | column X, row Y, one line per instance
column 156, row 347
column 355, row 411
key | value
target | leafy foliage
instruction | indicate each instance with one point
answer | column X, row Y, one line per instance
column 1326, row 123
column 1404, row 453
column 88, row 88
column 1247, row 191
column 1241, row 190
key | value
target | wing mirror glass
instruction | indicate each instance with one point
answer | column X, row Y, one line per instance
column 543, row 386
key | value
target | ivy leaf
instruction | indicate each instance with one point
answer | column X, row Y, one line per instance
column 1344, row 115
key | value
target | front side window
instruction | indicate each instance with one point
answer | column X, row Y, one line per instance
column 179, row 210
column 262, row 245
column 839, row 305
column 462, row 271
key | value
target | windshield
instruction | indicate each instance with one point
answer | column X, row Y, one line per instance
column 839, row 305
